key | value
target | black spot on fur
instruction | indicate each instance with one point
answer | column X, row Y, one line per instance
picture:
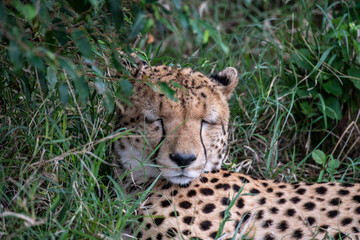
column 185, row 204
column 188, row 220
column 207, row 191
column 191, row 193
column 260, row 214
column 346, row 221
column 171, row 232
column 208, row 208
column 254, row 191
column 274, row 210
column 311, row 220
column 203, row 179
column 246, row 217
column 214, row 180
column 343, row 192
column 301, row 191
column 333, row 213
column 335, row 201
column 158, row 221
column 290, row 212
column 356, row 198
column 269, row 237
column 205, row 225
column 240, row 203
column 357, row 210
column 244, row 179
column 165, row 203
column 282, row 226
column 213, row 235
column 298, row 234
column 262, row 201
column 309, row 206
column 295, row 200
column 321, row 190
column 225, row 201
column 339, row 235
column 236, row 187
column 167, row 185
column 174, row 214
column 267, row 223
column 279, row 194
column 223, row 186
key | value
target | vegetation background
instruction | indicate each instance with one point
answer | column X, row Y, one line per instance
column 295, row 113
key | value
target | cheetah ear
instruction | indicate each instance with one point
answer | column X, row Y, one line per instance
column 227, row 80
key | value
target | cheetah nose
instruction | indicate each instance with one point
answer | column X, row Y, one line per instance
column 182, row 160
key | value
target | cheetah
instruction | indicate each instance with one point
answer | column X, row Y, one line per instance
column 182, row 144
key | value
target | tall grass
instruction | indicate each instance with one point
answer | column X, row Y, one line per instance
column 56, row 165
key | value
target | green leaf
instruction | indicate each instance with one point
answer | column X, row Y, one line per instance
column 27, row 10
column 126, row 87
column 80, row 6
column 15, row 55
column 333, row 163
column 333, row 108
column 302, row 93
column 82, row 89
column 50, row 40
column 68, row 66
column 35, row 60
column 100, row 85
column 318, row 156
column 63, row 92
column 2, row 15
column 177, row 4
column 51, row 77
column 117, row 14
column 306, row 108
column 206, row 37
column 60, row 31
column 355, row 73
column 138, row 25
column 109, row 101
column 82, row 42
column 333, row 87
column 302, row 58
column 168, row 91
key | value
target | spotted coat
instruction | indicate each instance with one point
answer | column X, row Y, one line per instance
column 226, row 204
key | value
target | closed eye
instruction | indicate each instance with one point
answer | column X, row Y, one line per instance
column 208, row 122
column 152, row 120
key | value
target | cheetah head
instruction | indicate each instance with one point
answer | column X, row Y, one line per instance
column 178, row 139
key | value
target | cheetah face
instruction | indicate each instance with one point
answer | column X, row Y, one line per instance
column 177, row 139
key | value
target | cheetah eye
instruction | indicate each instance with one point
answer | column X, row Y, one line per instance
column 208, row 122
column 152, row 120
